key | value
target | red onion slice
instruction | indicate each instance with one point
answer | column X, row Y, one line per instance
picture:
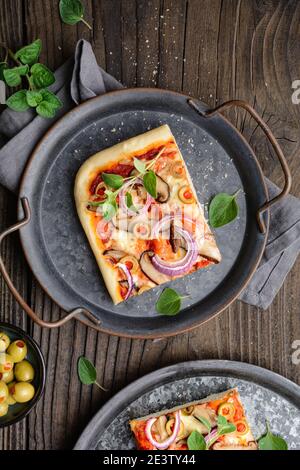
column 211, row 437
column 165, row 444
column 128, row 277
column 176, row 268
column 122, row 200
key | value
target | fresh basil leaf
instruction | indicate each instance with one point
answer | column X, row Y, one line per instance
column 205, row 422
column 139, row 165
column 13, row 76
column 129, row 202
column 3, row 66
column 149, row 181
column 196, row 441
column 114, row 181
column 42, row 77
column 169, row 302
column 224, row 426
column 271, row 442
column 110, row 209
column 30, row 54
column 50, row 104
column 96, row 203
column 86, row 371
column 18, row 101
column 34, row 98
column 71, row 12
column 223, row 209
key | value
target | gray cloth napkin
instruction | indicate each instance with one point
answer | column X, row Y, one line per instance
column 80, row 79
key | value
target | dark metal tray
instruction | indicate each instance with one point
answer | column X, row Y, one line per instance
column 55, row 245
column 265, row 396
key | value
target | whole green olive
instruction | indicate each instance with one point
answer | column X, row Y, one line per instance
column 7, row 377
column 6, row 362
column 3, row 408
column 4, row 341
column 22, row 392
column 3, row 392
column 24, row 372
column 10, row 400
column 17, row 350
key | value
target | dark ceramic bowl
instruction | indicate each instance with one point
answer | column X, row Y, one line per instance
column 34, row 355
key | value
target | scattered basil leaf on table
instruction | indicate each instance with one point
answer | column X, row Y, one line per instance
column 224, row 426
column 42, row 77
column 169, row 302
column 71, row 12
column 205, row 422
column 49, row 105
column 13, row 76
column 87, row 372
column 271, row 442
column 112, row 180
column 18, row 101
column 38, row 76
column 223, row 209
column 30, row 54
column 149, row 181
column 140, row 166
column 196, row 441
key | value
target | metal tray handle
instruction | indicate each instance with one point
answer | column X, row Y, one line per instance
column 270, row 136
column 73, row 314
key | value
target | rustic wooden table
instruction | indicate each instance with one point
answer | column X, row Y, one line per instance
column 212, row 49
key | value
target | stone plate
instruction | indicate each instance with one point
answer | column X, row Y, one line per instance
column 219, row 160
column 265, row 396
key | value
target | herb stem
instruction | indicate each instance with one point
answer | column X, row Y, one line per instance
column 13, row 57
column 86, row 23
column 100, row 386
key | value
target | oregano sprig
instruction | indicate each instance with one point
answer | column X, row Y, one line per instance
column 38, row 77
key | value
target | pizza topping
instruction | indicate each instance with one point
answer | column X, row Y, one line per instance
column 166, row 443
column 141, row 230
column 242, row 427
column 123, row 202
column 185, row 194
column 176, row 268
column 162, row 190
column 227, row 410
column 177, row 170
column 129, row 278
column 150, row 271
column 131, row 263
column 115, row 254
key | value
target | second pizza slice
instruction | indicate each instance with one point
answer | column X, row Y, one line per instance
column 139, row 209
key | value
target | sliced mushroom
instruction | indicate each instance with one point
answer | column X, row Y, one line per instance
column 116, row 254
column 175, row 242
column 205, row 412
column 150, row 271
column 162, row 189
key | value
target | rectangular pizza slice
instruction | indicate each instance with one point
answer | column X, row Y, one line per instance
column 139, row 209
column 217, row 422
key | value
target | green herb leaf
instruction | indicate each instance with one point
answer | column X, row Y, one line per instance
column 114, row 181
column 30, row 54
column 205, row 422
column 196, row 441
column 71, row 12
column 139, row 165
column 96, row 203
column 34, row 98
column 223, row 209
column 169, row 302
column 18, row 101
column 271, row 442
column 149, row 181
column 50, row 104
column 129, row 202
column 3, row 66
column 42, row 77
column 109, row 210
column 13, row 76
column 224, row 427
column 86, row 371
